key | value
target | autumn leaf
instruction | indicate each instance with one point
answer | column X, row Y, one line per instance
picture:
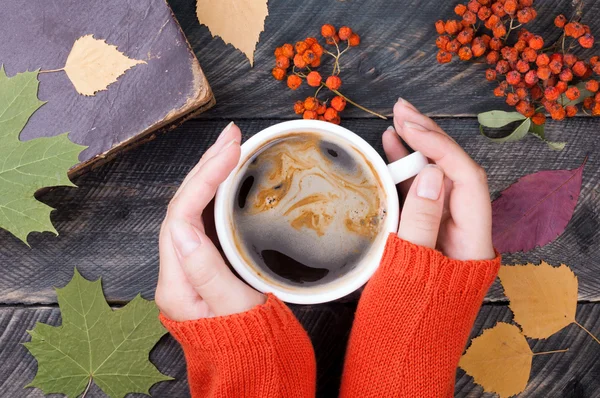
column 237, row 22
column 96, row 344
column 92, row 65
column 27, row 166
column 543, row 298
column 499, row 360
column 535, row 210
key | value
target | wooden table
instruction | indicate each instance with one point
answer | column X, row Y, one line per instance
column 109, row 225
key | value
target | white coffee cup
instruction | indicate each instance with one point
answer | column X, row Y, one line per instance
column 389, row 175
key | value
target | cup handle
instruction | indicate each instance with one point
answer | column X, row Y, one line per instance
column 407, row 167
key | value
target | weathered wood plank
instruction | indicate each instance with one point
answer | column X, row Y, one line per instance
column 574, row 374
column 109, row 226
column 396, row 57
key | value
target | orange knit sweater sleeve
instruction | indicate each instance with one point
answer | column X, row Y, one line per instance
column 412, row 323
column 263, row 353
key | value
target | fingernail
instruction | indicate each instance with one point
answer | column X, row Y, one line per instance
column 185, row 239
column 431, row 179
column 225, row 130
column 400, row 100
column 391, row 128
column 230, row 143
column 414, row 126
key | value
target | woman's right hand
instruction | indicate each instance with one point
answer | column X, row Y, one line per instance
column 447, row 206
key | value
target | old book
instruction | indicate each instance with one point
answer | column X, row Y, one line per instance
column 166, row 90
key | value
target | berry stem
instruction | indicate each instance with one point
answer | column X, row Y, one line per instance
column 359, row 106
column 51, row 70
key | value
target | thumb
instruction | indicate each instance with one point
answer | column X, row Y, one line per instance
column 208, row 274
column 423, row 207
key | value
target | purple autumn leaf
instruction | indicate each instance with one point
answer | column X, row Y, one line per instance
column 535, row 210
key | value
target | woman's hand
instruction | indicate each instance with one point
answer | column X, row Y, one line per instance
column 447, row 207
column 194, row 281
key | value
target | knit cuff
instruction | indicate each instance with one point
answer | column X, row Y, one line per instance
column 259, row 325
column 418, row 263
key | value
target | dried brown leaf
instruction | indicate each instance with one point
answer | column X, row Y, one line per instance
column 93, row 65
column 543, row 298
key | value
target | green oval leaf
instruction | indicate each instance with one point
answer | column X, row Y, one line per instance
column 516, row 135
column 495, row 119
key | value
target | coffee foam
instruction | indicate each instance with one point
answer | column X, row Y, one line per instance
column 317, row 202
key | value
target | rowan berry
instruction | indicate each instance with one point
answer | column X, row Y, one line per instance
column 498, row 9
column 344, row 33
column 579, row 69
column 513, row 77
column 571, row 110
column 597, row 68
column 544, row 72
column 299, row 107
column 354, row 40
column 502, row 67
column 587, row 29
column 510, row 54
column 555, row 66
column 301, row 47
column 333, row 39
column 572, row 93
column 536, row 92
column 287, row 50
column 443, row 57
column 484, row 2
column 321, row 108
column 452, row 27
column 309, row 56
column 312, row 115
column 499, row 31
column 496, row 44
column 484, row 13
column 313, row 79
column 469, row 18
column 474, row 6
column 317, row 49
column 338, row 103
column 522, row 66
column 542, row 60
column 333, row 82
column 536, row 42
column 570, row 59
column 440, row 27
column 311, row 104
column 558, row 113
column 531, row 78
column 282, row 62
column 524, row 34
column 490, row 75
column 512, row 99
column 492, row 57
column 492, row 21
column 596, row 109
column 510, row 6
column 560, row 21
column 478, row 47
column 592, row 86
column 588, row 102
column 294, row 82
column 316, row 63
column 594, row 60
column 465, row 36
column 453, row 46
column 278, row 52
column 525, row 15
column 551, row 93
column 321, row 118
column 538, row 118
column 561, row 86
column 574, row 29
column 522, row 92
column 299, row 62
column 328, row 30
column 485, row 39
column 566, row 75
column 520, row 45
column 330, row 114
column 586, row 41
column 499, row 91
column 529, row 55
column 278, row 73
column 526, row 3
column 465, row 53
column 525, row 109
column 460, row 9
column 336, row 120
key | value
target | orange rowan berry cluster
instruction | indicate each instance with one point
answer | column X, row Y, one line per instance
column 303, row 58
column 530, row 77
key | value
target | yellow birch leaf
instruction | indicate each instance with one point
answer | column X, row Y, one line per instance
column 543, row 298
column 94, row 64
column 499, row 360
column 238, row 22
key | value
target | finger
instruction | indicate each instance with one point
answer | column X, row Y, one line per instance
column 395, row 150
column 423, row 207
column 405, row 111
column 230, row 132
column 201, row 187
column 208, row 274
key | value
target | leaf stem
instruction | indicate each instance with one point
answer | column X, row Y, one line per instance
column 587, row 331
column 87, row 388
column 359, row 106
column 550, row 352
column 51, row 70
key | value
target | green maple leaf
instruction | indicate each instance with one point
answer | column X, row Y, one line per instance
column 95, row 343
column 26, row 166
